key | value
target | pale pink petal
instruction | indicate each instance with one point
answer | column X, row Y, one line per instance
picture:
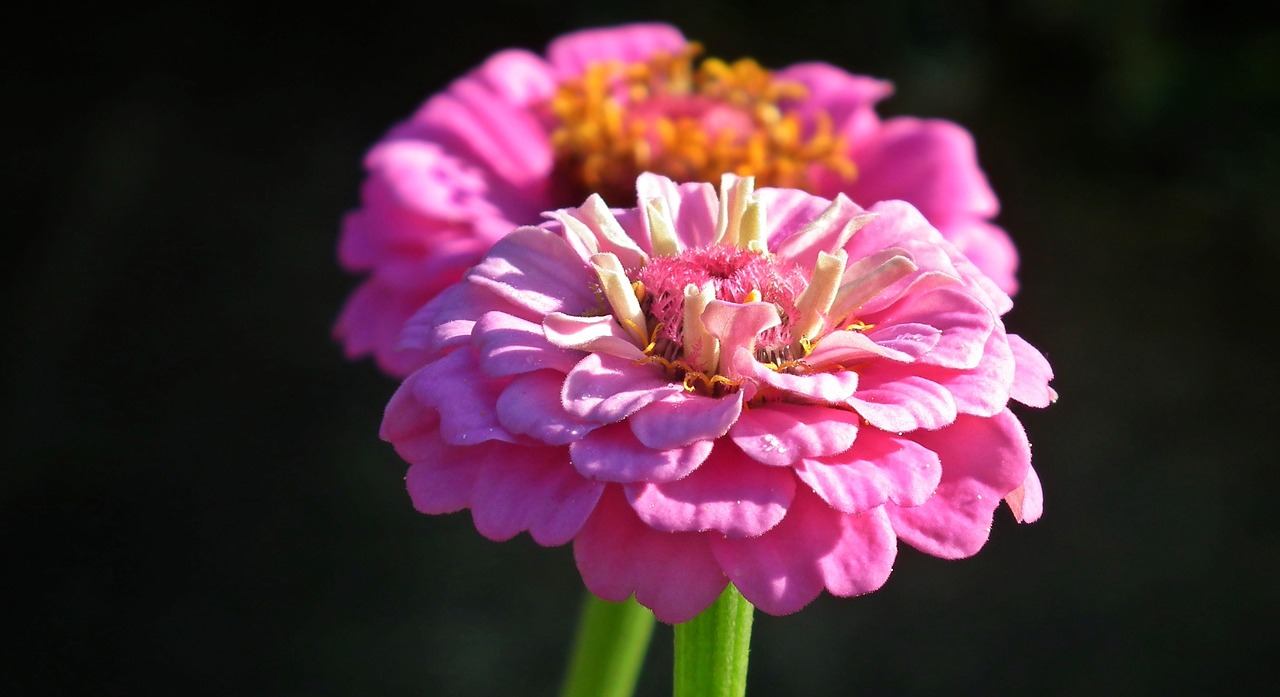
column 1031, row 376
column 825, row 231
column 737, row 325
column 447, row 320
column 879, row 467
column 607, row 389
column 852, row 349
column 1027, row 501
column 814, row 547
column 465, row 398
column 983, row 460
column 572, row 54
column 534, row 268
column 779, row 433
column 508, row 345
column 693, row 207
column 682, row 418
column 530, row 405
column 599, row 334
column 965, row 323
column 613, row 454
column 672, row 574
column 898, row 401
column 522, row 488
column 729, row 493
column 789, row 210
column 980, row 391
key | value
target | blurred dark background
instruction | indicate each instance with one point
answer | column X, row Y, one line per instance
column 193, row 497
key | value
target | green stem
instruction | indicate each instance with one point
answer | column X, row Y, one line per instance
column 711, row 649
column 608, row 649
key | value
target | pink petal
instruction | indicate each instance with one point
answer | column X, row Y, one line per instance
column 600, row 334
column 572, row 54
column 737, row 325
column 848, row 99
column 420, row 178
column 988, row 247
column 852, row 349
column 682, row 418
column 1027, row 501
column 983, row 460
column 790, row 210
column 980, row 391
column 898, row 402
column 536, row 269
column 824, row 231
column 1031, row 376
column 607, row 389
column 964, row 320
column 508, row 345
column 673, row 574
column 447, row 320
column 506, row 139
column 931, row 163
column 693, row 207
column 370, row 322
column 465, row 398
column 441, row 476
column 520, row 488
column 814, row 547
column 779, row 433
column 831, row 388
column 613, row 454
column 728, row 493
column 530, row 405
column 517, row 77
column 878, row 468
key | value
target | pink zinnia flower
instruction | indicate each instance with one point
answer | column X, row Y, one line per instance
column 763, row 387
column 524, row 133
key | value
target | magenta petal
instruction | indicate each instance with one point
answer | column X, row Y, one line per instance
column 983, row 460
column 531, row 406
column 879, row 467
column 522, row 488
column 683, row 418
column 447, row 320
column 728, row 493
column 465, row 398
column 897, row 401
column 613, row 454
column 572, row 54
column 693, row 207
column 814, row 547
column 1031, row 376
column 509, row 345
column 983, row 390
column 371, row 321
column 673, row 574
column 536, row 269
column 607, row 389
column 1027, row 501
column 779, row 433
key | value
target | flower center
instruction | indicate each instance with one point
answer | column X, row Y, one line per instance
column 619, row 120
column 735, row 274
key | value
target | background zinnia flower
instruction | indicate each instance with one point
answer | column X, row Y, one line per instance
column 524, row 133
column 767, row 388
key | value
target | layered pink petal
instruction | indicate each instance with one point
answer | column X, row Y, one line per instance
column 965, row 323
column 780, row 434
column 983, row 460
column 371, row 322
column 535, row 269
column 680, row 419
column 508, row 345
column 464, row 397
column 613, row 454
column 672, row 574
column 729, row 493
column 1027, row 501
column 600, row 334
column 530, row 405
column 607, row 389
column 814, row 547
column 693, row 207
column 878, row 468
column 521, row 488
column 848, row 99
column 899, row 401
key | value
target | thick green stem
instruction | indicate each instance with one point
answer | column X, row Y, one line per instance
column 711, row 649
column 608, row 649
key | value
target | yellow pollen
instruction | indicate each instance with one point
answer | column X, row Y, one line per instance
column 665, row 116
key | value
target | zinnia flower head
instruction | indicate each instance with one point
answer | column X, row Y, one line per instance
column 524, row 133
column 762, row 387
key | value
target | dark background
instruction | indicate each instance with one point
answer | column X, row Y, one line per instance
column 193, row 498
